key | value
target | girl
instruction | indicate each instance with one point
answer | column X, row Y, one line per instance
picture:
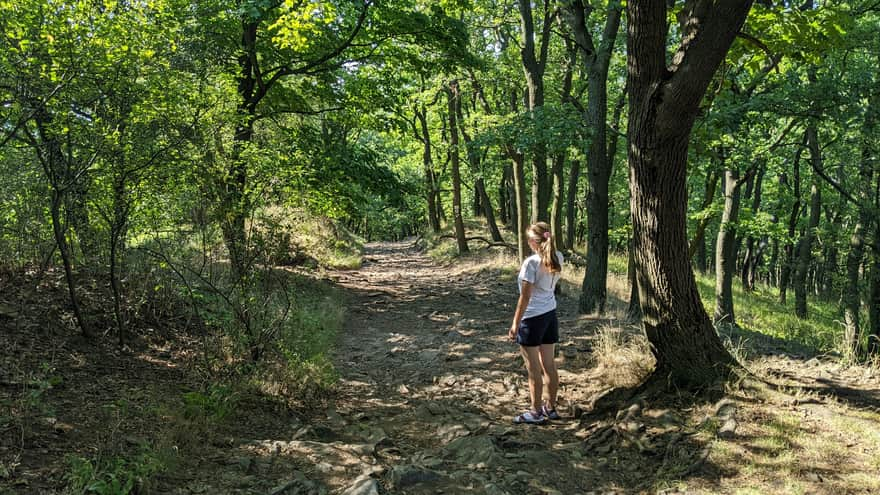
column 535, row 327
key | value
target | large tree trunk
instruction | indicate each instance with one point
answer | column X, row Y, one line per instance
column 851, row 294
column 874, row 292
column 599, row 164
column 725, row 250
column 664, row 101
column 633, row 309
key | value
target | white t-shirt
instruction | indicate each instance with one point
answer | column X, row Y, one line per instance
column 543, row 284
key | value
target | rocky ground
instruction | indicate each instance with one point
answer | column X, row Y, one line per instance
column 429, row 386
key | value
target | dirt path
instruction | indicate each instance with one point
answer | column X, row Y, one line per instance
column 433, row 384
column 428, row 388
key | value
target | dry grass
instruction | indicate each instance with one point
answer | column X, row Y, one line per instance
column 623, row 356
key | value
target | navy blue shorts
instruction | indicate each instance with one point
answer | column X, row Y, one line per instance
column 538, row 330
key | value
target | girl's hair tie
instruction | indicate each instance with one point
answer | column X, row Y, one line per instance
column 546, row 235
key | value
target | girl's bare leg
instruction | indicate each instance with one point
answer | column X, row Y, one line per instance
column 532, row 359
column 551, row 376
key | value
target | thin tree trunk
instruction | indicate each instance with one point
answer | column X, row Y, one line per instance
column 788, row 254
column 725, row 250
column 521, row 205
column 453, row 95
column 423, row 134
column 851, row 298
column 60, row 174
column 599, row 164
column 805, row 245
column 508, row 198
column 481, row 197
column 750, row 257
column 558, row 194
column 534, row 65
column 570, row 208
column 699, row 240
column 61, row 241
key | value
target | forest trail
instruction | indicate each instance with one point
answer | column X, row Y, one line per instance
column 432, row 382
column 428, row 386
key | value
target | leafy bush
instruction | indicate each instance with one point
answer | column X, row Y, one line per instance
column 116, row 475
column 216, row 403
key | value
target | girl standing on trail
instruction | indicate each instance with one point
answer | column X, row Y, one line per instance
column 535, row 327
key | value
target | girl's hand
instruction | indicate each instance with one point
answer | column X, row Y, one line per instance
column 511, row 334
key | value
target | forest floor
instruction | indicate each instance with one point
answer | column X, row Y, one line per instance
column 428, row 388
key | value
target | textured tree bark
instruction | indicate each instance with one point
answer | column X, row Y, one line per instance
column 698, row 241
column 453, row 95
column 805, row 245
column 874, row 291
column 534, row 65
column 633, row 309
column 572, row 191
column 423, row 134
column 664, row 101
column 725, row 250
column 753, row 253
column 599, row 163
column 788, row 252
column 482, row 202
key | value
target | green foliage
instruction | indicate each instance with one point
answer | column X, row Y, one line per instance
column 116, row 475
column 305, row 344
column 213, row 405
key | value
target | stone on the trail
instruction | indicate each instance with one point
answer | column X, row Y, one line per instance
column 492, row 489
column 364, row 485
column 405, row 476
column 448, row 433
column 435, row 408
column 475, row 452
column 728, row 429
column 814, row 477
column 725, row 408
column 300, row 485
column 428, row 355
column 402, row 389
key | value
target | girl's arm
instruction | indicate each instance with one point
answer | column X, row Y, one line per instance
column 524, row 296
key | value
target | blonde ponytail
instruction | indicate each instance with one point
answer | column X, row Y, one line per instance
column 540, row 232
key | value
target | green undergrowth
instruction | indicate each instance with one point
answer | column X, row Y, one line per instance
column 299, row 237
column 760, row 316
column 442, row 246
